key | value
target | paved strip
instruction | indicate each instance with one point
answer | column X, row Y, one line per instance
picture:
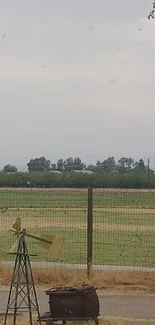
column 128, row 306
column 46, row 265
column 131, row 321
column 117, row 306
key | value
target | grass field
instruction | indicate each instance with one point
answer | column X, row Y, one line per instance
column 76, row 198
column 124, row 226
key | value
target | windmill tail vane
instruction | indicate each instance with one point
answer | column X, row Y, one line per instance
column 48, row 242
column 17, row 227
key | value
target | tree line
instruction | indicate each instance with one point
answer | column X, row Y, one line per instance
column 109, row 165
column 72, row 172
column 133, row 179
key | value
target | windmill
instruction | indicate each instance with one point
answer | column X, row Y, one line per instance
column 22, row 294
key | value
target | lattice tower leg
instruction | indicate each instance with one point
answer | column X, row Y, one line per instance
column 22, row 295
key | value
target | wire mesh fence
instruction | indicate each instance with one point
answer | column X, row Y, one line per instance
column 56, row 212
column 123, row 225
column 124, row 228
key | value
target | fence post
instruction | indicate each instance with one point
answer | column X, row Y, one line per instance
column 90, row 231
column 148, row 173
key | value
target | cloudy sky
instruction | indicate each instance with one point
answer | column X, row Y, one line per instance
column 77, row 78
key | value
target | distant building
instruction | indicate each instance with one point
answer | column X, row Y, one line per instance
column 83, row 171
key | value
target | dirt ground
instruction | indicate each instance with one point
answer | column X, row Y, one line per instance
column 98, row 190
column 124, row 209
column 39, row 223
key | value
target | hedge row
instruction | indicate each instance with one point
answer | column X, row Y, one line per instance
column 79, row 180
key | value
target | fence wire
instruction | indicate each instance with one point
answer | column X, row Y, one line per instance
column 123, row 225
column 58, row 212
column 124, row 228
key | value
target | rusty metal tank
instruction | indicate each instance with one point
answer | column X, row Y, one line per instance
column 80, row 302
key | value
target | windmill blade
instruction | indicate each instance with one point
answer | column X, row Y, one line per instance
column 55, row 243
column 17, row 225
column 14, row 246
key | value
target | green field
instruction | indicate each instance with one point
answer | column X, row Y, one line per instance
column 58, row 198
column 124, row 226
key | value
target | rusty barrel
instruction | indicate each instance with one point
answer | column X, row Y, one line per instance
column 73, row 302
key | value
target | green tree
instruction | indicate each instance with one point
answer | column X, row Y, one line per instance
column 10, row 169
column 39, row 165
column 125, row 164
column 60, row 165
column 53, row 167
column 130, row 164
column 152, row 11
column 109, row 165
column 71, row 164
column 141, row 166
column 92, row 168
column 78, row 164
column 100, row 166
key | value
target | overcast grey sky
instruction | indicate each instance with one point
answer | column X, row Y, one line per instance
column 77, row 78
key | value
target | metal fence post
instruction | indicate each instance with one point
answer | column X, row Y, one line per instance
column 90, row 231
column 148, row 173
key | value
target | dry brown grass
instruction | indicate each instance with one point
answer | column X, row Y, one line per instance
column 124, row 281
column 21, row 320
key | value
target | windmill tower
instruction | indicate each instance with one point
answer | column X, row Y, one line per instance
column 22, row 294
